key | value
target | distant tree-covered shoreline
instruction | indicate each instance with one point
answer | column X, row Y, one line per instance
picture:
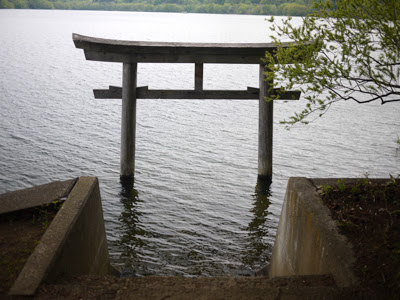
column 252, row 7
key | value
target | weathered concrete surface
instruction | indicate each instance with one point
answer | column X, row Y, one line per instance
column 226, row 288
column 307, row 240
column 155, row 287
column 35, row 196
column 75, row 242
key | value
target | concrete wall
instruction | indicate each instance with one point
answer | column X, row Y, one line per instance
column 75, row 242
column 307, row 241
column 35, row 196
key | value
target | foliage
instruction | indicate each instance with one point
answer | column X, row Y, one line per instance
column 346, row 50
column 6, row 4
column 341, row 185
column 326, row 188
column 46, row 213
column 364, row 189
column 256, row 7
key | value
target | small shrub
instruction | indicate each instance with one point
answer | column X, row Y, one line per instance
column 341, row 185
column 326, row 188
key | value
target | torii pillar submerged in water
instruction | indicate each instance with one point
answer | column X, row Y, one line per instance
column 130, row 53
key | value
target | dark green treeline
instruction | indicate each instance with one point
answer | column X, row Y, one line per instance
column 254, row 7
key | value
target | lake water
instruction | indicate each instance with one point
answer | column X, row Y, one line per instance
column 195, row 207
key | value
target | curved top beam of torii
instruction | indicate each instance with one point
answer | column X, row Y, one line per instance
column 100, row 49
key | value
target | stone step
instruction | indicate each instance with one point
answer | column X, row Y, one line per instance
column 157, row 287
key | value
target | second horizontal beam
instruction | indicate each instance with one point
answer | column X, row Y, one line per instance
column 144, row 93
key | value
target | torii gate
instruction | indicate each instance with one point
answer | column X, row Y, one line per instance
column 130, row 53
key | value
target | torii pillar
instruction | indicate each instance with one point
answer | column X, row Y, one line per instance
column 128, row 119
column 265, row 127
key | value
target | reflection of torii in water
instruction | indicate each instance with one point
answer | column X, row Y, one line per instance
column 258, row 248
column 131, row 53
column 133, row 234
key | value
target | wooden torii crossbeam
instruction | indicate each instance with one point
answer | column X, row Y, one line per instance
column 130, row 53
